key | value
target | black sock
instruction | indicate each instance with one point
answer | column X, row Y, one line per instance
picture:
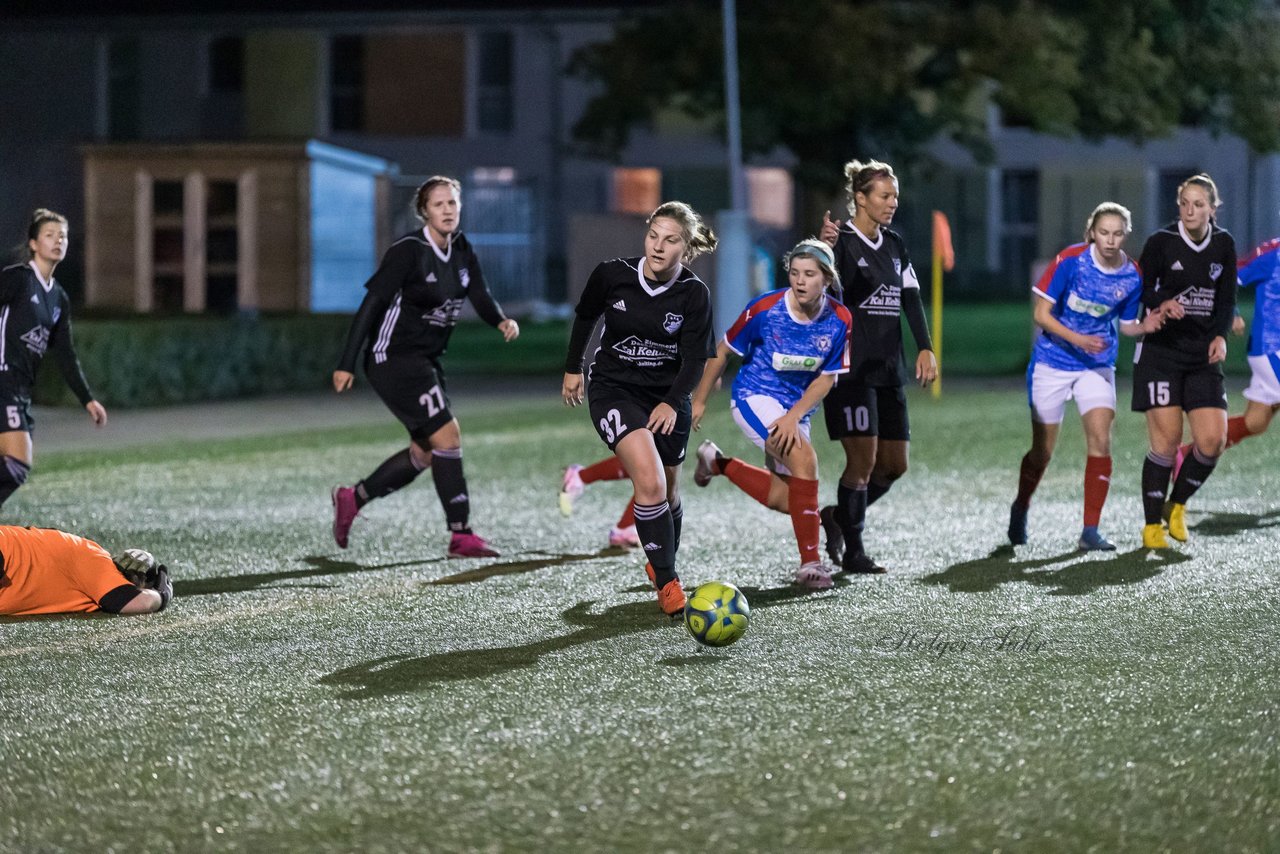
column 396, row 472
column 451, row 486
column 876, row 490
column 843, row 496
column 677, row 518
column 657, row 534
column 855, row 508
column 13, row 473
column 1155, row 485
column 1195, row 469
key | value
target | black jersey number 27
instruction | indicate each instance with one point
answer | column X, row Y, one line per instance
column 433, row 400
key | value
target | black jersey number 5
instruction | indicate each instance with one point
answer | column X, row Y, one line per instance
column 433, row 400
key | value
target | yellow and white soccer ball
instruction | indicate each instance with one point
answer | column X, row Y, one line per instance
column 717, row 614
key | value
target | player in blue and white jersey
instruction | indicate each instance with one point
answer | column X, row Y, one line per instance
column 793, row 343
column 1081, row 296
column 1259, row 269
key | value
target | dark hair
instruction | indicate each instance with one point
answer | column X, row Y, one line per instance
column 697, row 237
column 39, row 217
column 420, row 197
column 860, row 176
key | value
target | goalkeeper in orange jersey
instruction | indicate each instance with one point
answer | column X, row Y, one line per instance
column 45, row 571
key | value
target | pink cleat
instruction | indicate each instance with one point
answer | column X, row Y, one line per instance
column 627, row 538
column 470, row 545
column 1178, row 458
column 344, row 513
column 571, row 488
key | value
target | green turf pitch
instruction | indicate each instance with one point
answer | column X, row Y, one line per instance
column 300, row 698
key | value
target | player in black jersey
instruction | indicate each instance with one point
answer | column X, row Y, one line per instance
column 1188, row 274
column 403, row 326
column 657, row 337
column 35, row 317
column 867, row 409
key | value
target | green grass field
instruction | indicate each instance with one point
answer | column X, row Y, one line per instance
column 300, row 698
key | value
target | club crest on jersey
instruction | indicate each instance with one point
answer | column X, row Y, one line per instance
column 672, row 322
column 464, row 276
column 823, row 342
column 897, row 266
column 1215, row 270
column 36, row 339
column 57, row 312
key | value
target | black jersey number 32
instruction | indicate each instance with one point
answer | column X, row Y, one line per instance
column 611, row 425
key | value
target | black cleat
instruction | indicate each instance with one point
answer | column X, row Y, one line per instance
column 835, row 537
column 861, row 564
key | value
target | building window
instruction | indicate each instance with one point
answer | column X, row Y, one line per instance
column 494, row 104
column 226, row 65
column 222, row 249
column 346, row 83
column 167, row 245
column 1020, row 224
column 771, row 197
column 636, row 191
column 124, row 82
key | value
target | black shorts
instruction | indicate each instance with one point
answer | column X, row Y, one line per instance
column 15, row 412
column 1161, row 381
column 413, row 389
column 616, row 412
column 862, row 410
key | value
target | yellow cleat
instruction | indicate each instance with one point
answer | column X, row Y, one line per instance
column 1153, row 537
column 1178, row 522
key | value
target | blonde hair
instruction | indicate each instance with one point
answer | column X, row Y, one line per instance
column 860, row 176
column 39, row 217
column 697, row 237
column 821, row 253
column 420, row 197
column 1202, row 180
column 1105, row 209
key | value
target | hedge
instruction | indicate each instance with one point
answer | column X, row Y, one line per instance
column 150, row 361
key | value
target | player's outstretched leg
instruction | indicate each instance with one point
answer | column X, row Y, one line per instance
column 577, row 477
column 1030, row 471
column 709, row 462
column 396, row 472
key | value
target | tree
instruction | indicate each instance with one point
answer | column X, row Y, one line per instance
column 827, row 79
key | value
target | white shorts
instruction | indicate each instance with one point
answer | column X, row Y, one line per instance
column 1264, row 387
column 1049, row 389
column 755, row 414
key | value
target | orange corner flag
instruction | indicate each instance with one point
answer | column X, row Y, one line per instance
column 942, row 241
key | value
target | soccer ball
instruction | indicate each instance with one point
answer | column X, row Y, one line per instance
column 717, row 614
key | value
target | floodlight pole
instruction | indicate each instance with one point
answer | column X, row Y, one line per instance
column 734, row 253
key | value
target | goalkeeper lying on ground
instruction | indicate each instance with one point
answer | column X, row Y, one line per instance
column 43, row 571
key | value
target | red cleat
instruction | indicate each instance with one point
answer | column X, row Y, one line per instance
column 344, row 513
column 470, row 545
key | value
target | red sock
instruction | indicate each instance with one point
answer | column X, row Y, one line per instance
column 1236, row 430
column 607, row 469
column 802, row 499
column 1097, row 480
column 628, row 517
column 1028, row 479
column 752, row 480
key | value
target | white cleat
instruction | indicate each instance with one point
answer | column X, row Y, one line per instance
column 705, row 468
column 571, row 488
column 815, row 575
